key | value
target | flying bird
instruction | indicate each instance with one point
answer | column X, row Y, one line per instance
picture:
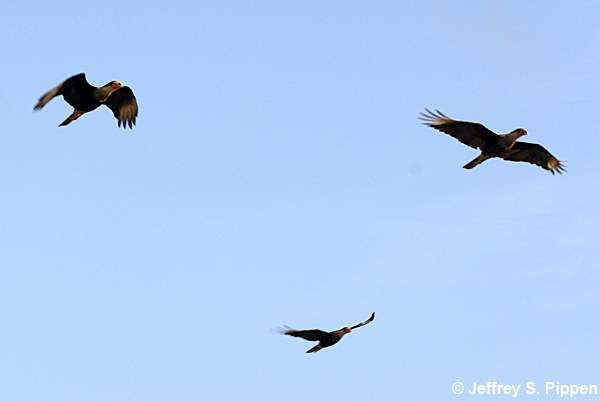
column 85, row 98
column 505, row 146
column 325, row 339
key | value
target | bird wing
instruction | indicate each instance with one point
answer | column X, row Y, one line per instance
column 474, row 135
column 72, row 88
column 310, row 335
column 535, row 154
column 124, row 106
column 369, row 320
column 46, row 97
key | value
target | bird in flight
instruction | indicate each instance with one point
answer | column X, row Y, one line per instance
column 84, row 98
column 325, row 339
column 505, row 146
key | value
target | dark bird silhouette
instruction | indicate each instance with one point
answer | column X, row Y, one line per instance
column 504, row 146
column 84, row 98
column 325, row 339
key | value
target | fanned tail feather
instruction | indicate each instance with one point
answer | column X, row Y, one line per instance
column 314, row 349
column 476, row 161
column 74, row 116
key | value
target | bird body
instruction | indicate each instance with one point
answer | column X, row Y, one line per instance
column 330, row 339
column 84, row 98
column 505, row 146
column 325, row 338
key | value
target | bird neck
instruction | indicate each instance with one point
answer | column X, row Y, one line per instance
column 508, row 140
column 342, row 332
column 338, row 335
column 103, row 93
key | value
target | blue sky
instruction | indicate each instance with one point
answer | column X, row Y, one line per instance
column 278, row 175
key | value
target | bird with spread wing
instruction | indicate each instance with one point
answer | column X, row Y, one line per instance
column 84, row 98
column 325, row 338
column 504, row 146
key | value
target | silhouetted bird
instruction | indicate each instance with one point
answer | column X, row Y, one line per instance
column 325, row 339
column 84, row 98
column 491, row 144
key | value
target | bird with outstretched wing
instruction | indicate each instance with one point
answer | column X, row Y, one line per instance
column 84, row 98
column 504, row 146
column 325, row 338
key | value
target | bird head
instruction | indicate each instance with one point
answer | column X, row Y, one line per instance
column 113, row 85
column 105, row 91
column 519, row 132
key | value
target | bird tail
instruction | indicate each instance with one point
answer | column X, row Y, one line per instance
column 46, row 97
column 476, row 161
column 74, row 116
column 314, row 349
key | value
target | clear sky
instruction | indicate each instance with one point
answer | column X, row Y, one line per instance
column 278, row 175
